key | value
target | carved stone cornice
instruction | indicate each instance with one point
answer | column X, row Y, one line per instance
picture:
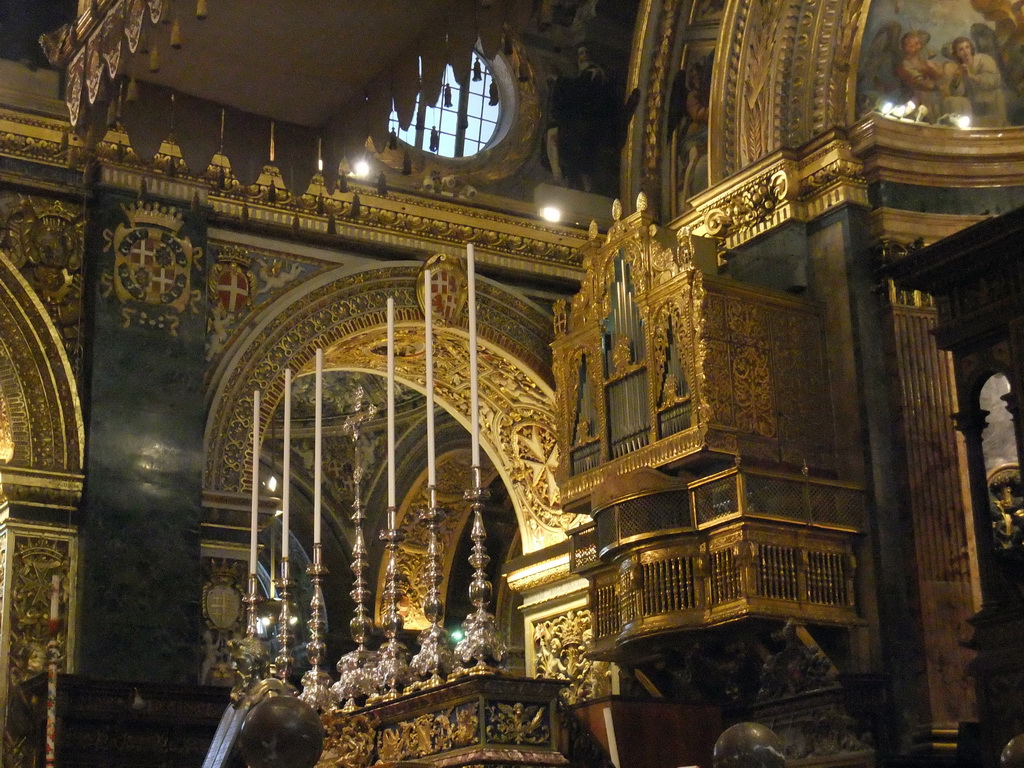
column 787, row 186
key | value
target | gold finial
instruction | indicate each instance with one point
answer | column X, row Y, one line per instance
column 641, row 202
column 617, row 209
column 593, row 232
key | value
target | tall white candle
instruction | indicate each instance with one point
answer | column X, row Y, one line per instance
column 428, row 304
column 287, row 468
column 317, row 449
column 474, row 387
column 255, row 521
column 391, row 402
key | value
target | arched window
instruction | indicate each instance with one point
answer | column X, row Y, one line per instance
column 1002, row 471
column 463, row 121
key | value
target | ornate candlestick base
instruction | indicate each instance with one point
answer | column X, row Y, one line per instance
column 482, row 649
column 316, row 683
column 435, row 659
column 358, row 678
column 392, row 673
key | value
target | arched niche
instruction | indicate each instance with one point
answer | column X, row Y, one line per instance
column 43, row 430
column 343, row 312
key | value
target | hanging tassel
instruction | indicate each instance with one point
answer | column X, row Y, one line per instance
column 132, row 93
column 201, row 9
column 356, row 206
column 492, row 94
column 176, row 34
column 478, row 74
column 463, row 123
column 435, row 139
column 382, row 184
column 406, row 164
column 448, row 96
column 154, row 59
column 392, row 140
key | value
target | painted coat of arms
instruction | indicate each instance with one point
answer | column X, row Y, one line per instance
column 153, row 266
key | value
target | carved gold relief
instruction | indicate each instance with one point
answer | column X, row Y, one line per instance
column 348, row 742
column 560, row 647
column 152, row 267
column 518, row 723
column 225, row 583
column 429, row 734
column 45, row 240
column 38, row 588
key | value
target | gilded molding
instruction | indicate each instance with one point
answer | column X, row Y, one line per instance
column 657, row 87
column 38, row 383
column 785, row 79
column 39, row 139
column 935, row 156
column 787, row 186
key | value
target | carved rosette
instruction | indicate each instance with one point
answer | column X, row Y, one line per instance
column 560, row 645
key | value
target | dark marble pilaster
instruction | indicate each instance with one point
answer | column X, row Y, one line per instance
column 141, row 581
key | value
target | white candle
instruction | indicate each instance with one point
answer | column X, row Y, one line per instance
column 287, row 468
column 428, row 308
column 318, row 435
column 54, row 597
column 391, row 402
column 255, row 521
column 474, row 388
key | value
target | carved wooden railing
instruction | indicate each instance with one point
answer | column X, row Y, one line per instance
column 739, row 543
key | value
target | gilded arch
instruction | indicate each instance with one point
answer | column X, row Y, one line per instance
column 784, row 74
column 344, row 314
column 40, row 400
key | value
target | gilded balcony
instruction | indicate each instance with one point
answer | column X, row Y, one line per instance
column 742, row 544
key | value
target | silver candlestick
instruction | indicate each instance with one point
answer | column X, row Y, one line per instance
column 283, row 662
column 356, row 679
column 392, row 674
column 316, row 683
column 435, row 659
column 252, row 602
column 482, row 649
